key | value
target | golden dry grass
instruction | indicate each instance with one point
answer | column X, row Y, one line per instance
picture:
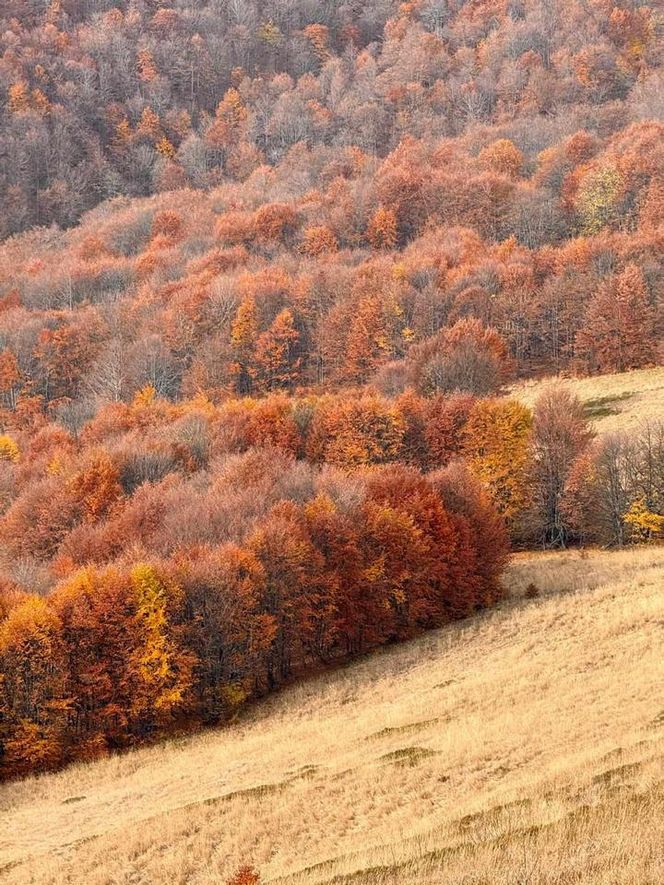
column 524, row 746
column 613, row 402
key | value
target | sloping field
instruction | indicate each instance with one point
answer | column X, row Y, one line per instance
column 525, row 746
column 613, row 402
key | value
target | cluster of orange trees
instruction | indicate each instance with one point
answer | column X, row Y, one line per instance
column 181, row 293
column 189, row 556
column 119, row 653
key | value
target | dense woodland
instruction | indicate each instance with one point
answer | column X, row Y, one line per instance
column 267, row 270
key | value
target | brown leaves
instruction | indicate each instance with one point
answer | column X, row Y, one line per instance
column 246, row 875
column 97, row 487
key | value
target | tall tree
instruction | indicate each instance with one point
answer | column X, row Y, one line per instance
column 497, row 446
column 244, row 334
column 277, row 357
column 560, row 434
column 619, row 331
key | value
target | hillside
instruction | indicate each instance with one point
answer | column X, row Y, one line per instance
column 249, row 197
column 268, row 269
column 132, row 98
column 316, row 323
column 523, row 746
column 614, row 402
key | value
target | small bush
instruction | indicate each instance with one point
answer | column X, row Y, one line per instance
column 532, row 591
column 245, row 876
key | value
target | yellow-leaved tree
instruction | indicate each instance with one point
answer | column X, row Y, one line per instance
column 645, row 523
column 31, row 687
column 9, row 450
column 497, row 446
column 164, row 669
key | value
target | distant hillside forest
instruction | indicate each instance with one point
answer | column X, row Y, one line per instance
column 267, row 270
column 108, row 97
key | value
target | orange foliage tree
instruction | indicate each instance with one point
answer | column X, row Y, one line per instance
column 382, row 230
column 276, row 353
column 619, row 328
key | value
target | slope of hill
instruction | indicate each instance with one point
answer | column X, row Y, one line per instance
column 106, row 98
column 524, row 746
column 620, row 401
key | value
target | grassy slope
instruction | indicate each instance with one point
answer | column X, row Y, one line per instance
column 613, row 402
column 523, row 746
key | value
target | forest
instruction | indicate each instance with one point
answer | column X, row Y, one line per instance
column 267, row 273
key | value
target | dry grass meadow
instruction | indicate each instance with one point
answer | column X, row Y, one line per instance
column 524, row 746
column 613, row 402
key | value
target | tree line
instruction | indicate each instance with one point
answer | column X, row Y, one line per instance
column 173, row 561
column 118, row 654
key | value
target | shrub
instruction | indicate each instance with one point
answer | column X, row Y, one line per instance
column 245, row 876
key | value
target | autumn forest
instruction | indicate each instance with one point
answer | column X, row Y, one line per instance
column 270, row 274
